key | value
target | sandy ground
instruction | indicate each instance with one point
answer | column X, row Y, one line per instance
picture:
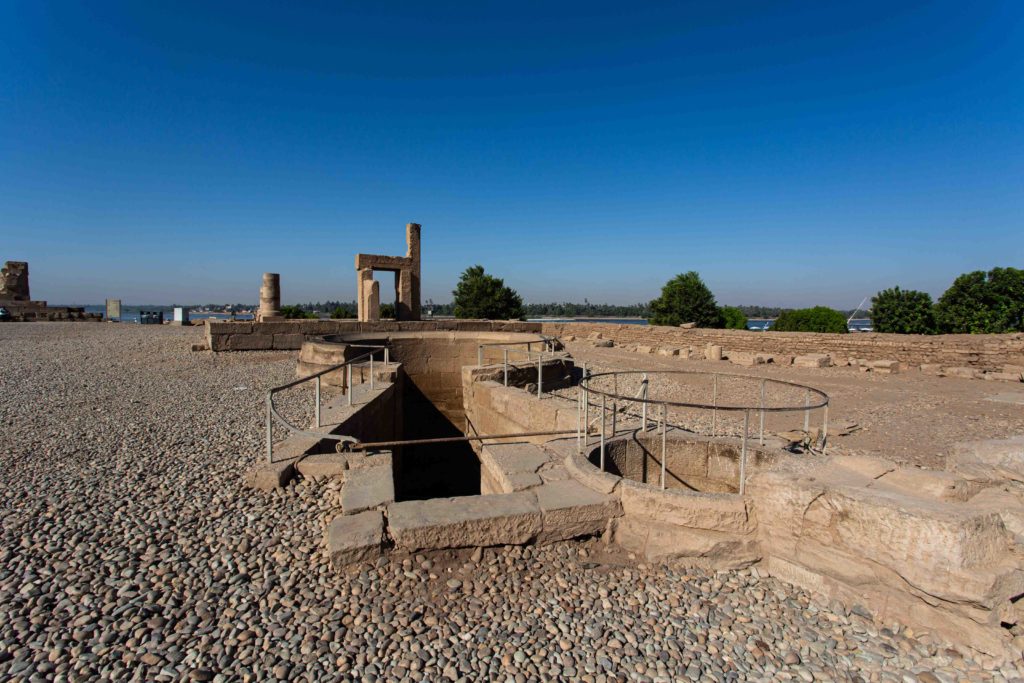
column 910, row 418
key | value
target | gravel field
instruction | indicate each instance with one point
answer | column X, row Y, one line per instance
column 130, row 551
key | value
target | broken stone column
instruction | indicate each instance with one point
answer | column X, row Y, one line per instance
column 14, row 281
column 371, row 306
column 713, row 352
column 270, row 298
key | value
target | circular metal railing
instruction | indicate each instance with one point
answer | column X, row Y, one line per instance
column 594, row 384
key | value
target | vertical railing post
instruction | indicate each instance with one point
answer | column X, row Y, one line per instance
column 664, row 441
column 743, row 452
column 387, row 359
column 807, row 411
column 505, row 364
column 824, row 431
column 603, row 402
column 270, row 428
column 371, row 371
column 317, row 404
column 579, row 419
column 714, row 410
column 540, row 373
column 761, row 433
column 348, row 370
column 643, row 406
column 586, row 408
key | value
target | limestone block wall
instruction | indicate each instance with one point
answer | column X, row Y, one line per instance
column 982, row 351
column 289, row 334
column 493, row 408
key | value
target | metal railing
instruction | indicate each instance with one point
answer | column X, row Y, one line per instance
column 585, row 388
column 548, row 345
column 316, row 377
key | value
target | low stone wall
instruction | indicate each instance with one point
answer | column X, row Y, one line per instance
column 982, row 351
column 288, row 335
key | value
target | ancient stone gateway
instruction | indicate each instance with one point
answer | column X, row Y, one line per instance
column 407, row 280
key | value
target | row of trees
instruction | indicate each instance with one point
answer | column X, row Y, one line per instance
column 976, row 303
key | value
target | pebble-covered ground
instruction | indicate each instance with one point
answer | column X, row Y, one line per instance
column 130, row 551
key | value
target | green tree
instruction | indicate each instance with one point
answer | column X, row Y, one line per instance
column 983, row 303
column 297, row 312
column 482, row 296
column 903, row 311
column 387, row 311
column 734, row 318
column 817, row 319
column 686, row 299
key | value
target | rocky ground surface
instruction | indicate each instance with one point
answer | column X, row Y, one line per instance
column 910, row 418
column 130, row 551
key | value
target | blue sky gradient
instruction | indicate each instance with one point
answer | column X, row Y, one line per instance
column 794, row 153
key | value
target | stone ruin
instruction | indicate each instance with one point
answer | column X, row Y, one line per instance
column 940, row 551
column 14, row 281
column 16, row 299
column 407, row 280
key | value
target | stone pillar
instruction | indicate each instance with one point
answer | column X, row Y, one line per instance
column 372, row 306
column 270, row 298
column 14, row 281
column 364, row 286
column 412, row 240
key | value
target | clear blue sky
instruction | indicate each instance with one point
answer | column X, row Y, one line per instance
column 794, row 153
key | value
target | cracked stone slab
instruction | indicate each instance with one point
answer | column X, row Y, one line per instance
column 466, row 521
column 355, row 538
column 570, row 509
column 367, row 488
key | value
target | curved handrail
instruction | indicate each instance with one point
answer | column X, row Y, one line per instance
column 585, row 384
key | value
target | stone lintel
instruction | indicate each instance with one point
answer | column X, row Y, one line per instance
column 385, row 263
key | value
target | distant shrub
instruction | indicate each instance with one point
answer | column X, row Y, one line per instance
column 387, row 311
column 902, row 311
column 817, row 319
column 983, row 303
column 297, row 312
column 342, row 312
column 734, row 318
column 686, row 299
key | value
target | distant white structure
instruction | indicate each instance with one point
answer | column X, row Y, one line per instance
column 180, row 316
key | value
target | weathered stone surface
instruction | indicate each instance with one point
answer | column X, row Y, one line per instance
column 1003, row 376
column 720, row 512
column 288, row 342
column 367, row 488
column 885, row 367
column 584, row 472
column 250, row 342
column 644, row 349
column 271, row 476
column 355, row 538
column 713, row 352
column 270, row 298
column 813, row 360
column 929, row 483
column 932, row 369
column 668, row 351
column 604, row 343
column 989, row 459
column 509, row 518
column 322, row 465
column 865, row 466
column 512, row 467
column 570, row 510
column 963, row 372
column 745, row 358
column 659, row 541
